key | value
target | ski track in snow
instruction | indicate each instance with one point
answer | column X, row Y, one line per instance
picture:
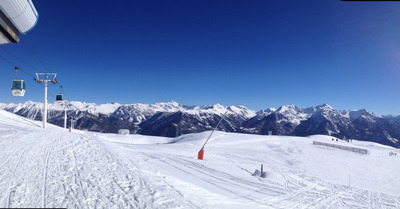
column 294, row 193
column 162, row 194
column 55, row 168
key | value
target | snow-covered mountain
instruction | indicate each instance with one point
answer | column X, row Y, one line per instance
column 173, row 119
column 282, row 121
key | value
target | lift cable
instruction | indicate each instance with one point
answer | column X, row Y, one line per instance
column 40, row 60
column 34, row 54
column 14, row 65
column 30, row 75
column 27, row 64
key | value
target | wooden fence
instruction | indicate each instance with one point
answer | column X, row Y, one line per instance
column 353, row 149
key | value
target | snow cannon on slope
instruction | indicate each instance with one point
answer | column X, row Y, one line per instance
column 201, row 152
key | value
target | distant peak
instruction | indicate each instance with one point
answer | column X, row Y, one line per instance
column 285, row 108
column 363, row 112
column 325, row 106
column 217, row 105
column 267, row 111
column 170, row 103
column 271, row 109
column 173, row 102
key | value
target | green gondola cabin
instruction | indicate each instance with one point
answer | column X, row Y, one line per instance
column 18, row 88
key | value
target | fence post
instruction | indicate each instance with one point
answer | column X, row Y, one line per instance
column 262, row 171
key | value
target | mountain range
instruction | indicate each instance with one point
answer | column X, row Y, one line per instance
column 172, row 119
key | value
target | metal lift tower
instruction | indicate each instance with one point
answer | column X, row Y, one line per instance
column 45, row 77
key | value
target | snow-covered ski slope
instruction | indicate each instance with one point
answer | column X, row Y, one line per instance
column 56, row 168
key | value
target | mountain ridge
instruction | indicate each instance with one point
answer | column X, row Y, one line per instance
column 173, row 119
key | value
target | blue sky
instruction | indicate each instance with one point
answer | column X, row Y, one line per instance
column 258, row 54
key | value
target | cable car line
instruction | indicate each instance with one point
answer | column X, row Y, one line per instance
column 8, row 61
column 40, row 60
column 34, row 54
column 37, row 57
column 58, row 97
column 17, row 86
column 14, row 65
column 33, row 67
column 10, row 11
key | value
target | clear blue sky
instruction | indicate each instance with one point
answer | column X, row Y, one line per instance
column 258, row 54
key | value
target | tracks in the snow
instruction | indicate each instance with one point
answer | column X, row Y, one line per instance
column 143, row 190
column 221, row 180
column 297, row 190
column 61, row 169
column 45, row 168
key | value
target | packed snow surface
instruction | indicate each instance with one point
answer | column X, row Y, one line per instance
column 57, row 168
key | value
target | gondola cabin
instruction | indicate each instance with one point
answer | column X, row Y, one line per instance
column 18, row 88
column 59, row 98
